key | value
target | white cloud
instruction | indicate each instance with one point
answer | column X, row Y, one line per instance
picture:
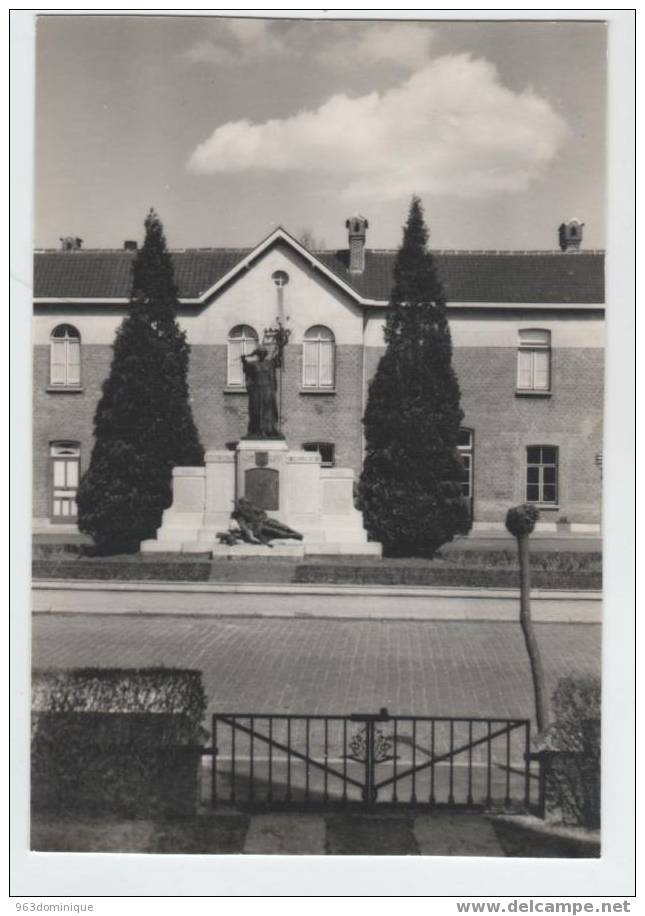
column 406, row 44
column 451, row 128
column 238, row 42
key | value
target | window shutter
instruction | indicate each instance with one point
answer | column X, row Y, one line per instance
column 541, row 370
column 58, row 367
column 235, row 374
column 524, row 366
column 310, row 364
column 73, row 362
column 327, row 362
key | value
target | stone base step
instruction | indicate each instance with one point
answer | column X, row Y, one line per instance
column 278, row 549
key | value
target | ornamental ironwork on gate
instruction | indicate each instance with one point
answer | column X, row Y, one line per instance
column 371, row 758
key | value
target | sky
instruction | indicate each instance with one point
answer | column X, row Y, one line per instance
column 230, row 127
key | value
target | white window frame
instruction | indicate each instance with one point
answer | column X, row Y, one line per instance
column 249, row 342
column 468, row 452
column 540, row 483
column 65, row 371
column 319, row 374
column 314, row 446
column 534, row 361
column 65, row 456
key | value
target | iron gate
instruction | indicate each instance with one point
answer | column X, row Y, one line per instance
column 261, row 759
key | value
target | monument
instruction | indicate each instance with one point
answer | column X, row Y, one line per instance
column 313, row 507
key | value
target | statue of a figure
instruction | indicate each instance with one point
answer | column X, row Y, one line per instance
column 254, row 526
column 261, row 384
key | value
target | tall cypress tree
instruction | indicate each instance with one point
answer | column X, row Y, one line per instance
column 143, row 424
column 408, row 490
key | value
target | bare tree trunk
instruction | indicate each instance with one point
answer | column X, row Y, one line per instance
column 526, row 623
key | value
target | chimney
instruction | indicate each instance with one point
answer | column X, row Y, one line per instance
column 570, row 235
column 130, row 245
column 357, row 226
column 70, row 243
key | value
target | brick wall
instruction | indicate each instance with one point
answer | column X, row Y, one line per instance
column 503, row 423
column 222, row 416
column 62, row 415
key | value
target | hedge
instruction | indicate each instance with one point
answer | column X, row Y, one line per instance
column 552, row 560
column 449, row 576
column 572, row 751
column 124, row 741
column 131, row 571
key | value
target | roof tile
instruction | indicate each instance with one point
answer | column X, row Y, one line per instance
column 531, row 277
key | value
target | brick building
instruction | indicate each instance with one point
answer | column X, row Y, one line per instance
column 527, row 330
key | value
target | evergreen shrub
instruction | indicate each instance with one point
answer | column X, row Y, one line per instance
column 409, row 489
column 117, row 741
column 573, row 751
column 143, row 426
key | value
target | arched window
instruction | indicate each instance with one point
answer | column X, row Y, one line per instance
column 65, row 357
column 534, row 360
column 318, row 358
column 241, row 341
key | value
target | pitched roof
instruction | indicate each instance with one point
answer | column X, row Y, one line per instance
column 468, row 276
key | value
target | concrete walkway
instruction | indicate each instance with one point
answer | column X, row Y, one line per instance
column 292, row 833
column 340, row 833
column 330, row 601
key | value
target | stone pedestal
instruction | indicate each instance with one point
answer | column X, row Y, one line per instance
column 288, row 484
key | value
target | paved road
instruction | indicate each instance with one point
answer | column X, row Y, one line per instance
column 326, row 665
column 334, row 601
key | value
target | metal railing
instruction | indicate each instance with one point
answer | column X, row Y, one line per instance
column 370, row 758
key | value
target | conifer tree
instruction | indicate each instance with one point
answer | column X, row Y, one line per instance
column 408, row 490
column 143, row 424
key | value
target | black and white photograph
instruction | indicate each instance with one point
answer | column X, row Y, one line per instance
column 318, row 415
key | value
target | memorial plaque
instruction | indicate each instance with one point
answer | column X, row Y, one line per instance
column 261, row 459
column 261, row 487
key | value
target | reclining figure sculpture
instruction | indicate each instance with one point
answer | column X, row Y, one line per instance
column 255, row 526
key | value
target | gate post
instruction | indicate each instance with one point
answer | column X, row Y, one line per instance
column 369, row 794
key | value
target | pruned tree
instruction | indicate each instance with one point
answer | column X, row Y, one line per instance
column 143, row 424
column 409, row 489
column 520, row 522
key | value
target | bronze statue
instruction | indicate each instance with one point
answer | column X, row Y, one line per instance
column 255, row 526
column 261, row 384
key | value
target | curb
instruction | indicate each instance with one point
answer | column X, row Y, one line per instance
column 325, row 601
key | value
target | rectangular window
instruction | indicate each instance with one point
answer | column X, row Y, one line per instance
column 235, row 373
column 73, row 362
column 59, row 362
column 465, row 447
column 310, row 360
column 542, row 474
column 325, row 449
column 534, row 360
column 65, row 467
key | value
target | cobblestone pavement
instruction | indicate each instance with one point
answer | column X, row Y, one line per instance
column 330, row 666
column 297, row 833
